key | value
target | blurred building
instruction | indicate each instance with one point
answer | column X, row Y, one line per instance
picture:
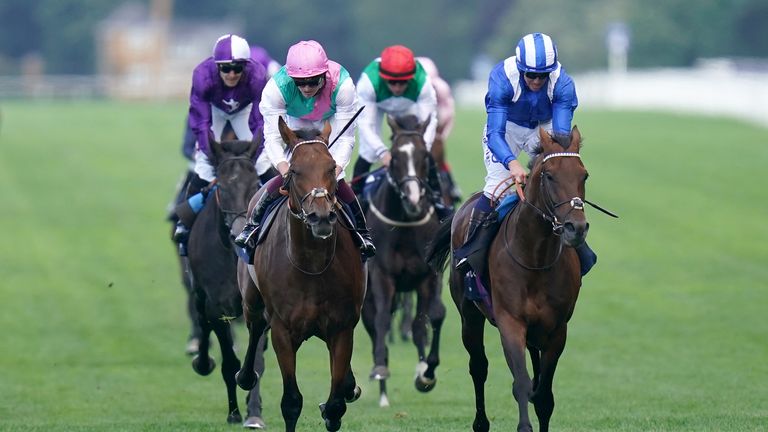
column 142, row 54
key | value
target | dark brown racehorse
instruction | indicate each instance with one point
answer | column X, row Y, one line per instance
column 402, row 221
column 534, row 279
column 213, row 263
column 307, row 279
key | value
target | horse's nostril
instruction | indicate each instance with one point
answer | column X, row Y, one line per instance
column 313, row 218
column 332, row 218
column 569, row 227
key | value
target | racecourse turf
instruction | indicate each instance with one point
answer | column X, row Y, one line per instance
column 669, row 333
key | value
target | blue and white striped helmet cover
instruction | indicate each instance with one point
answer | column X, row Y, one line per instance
column 536, row 52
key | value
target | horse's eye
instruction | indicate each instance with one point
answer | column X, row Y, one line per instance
column 548, row 176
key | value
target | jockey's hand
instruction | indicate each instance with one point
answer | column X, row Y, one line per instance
column 516, row 171
column 282, row 168
column 386, row 158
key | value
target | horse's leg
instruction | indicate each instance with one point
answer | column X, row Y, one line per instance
column 340, row 350
column 406, row 317
column 535, row 355
column 248, row 376
column 426, row 380
column 203, row 363
column 513, row 334
column 285, row 350
column 472, row 329
column 193, row 341
column 542, row 398
column 253, row 400
column 229, row 367
column 383, row 297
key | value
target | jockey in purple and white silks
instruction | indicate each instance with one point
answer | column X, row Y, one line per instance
column 306, row 92
column 525, row 92
column 396, row 84
column 225, row 87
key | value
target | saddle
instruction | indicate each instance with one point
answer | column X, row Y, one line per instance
column 266, row 223
column 476, row 280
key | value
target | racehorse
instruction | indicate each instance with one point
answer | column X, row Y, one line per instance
column 307, row 279
column 213, row 265
column 533, row 275
column 402, row 220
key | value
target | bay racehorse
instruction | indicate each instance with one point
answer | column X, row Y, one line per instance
column 213, row 264
column 307, row 279
column 402, row 221
column 533, row 276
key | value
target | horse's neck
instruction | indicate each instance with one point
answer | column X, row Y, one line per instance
column 531, row 232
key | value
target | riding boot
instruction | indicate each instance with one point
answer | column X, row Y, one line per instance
column 187, row 210
column 480, row 233
column 587, row 257
column 436, row 191
column 367, row 248
column 247, row 238
column 358, row 175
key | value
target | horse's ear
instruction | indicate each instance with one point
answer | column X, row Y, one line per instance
column 392, row 122
column 326, row 133
column 289, row 137
column 575, row 140
column 546, row 141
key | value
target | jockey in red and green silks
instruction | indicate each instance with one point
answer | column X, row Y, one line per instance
column 307, row 91
column 396, row 84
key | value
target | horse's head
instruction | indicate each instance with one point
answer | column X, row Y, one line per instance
column 236, row 178
column 311, row 181
column 407, row 171
column 556, row 186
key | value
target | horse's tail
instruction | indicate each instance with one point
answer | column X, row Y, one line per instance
column 439, row 249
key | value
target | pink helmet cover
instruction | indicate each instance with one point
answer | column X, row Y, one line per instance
column 306, row 59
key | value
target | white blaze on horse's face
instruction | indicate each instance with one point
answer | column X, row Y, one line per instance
column 412, row 189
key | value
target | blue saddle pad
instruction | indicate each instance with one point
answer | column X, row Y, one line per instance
column 507, row 205
column 373, row 182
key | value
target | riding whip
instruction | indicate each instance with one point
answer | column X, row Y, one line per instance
column 349, row 123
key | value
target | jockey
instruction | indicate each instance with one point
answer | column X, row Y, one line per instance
column 396, row 84
column 525, row 92
column 224, row 89
column 445, row 116
column 307, row 91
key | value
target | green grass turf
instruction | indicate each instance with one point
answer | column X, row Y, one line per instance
column 669, row 333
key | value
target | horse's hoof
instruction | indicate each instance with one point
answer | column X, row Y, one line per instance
column 332, row 425
column 355, row 395
column 379, row 373
column 254, row 422
column 383, row 401
column 203, row 368
column 422, row 383
column 246, row 383
column 234, row 417
column 193, row 347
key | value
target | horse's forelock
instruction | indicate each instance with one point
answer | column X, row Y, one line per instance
column 408, row 122
column 235, row 147
column 307, row 134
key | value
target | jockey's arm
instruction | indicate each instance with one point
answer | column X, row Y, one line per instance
column 345, row 110
column 446, row 109
column 427, row 104
column 497, row 100
column 370, row 119
column 200, row 114
column 564, row 103
column 272, row 106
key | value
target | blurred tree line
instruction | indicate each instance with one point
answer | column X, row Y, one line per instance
column 452, row 32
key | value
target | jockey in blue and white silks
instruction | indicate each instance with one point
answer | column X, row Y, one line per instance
column 527, row 91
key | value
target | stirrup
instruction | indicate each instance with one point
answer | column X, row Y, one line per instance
column 244, row 238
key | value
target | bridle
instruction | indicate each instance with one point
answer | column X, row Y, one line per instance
column 549, row 212
column 398, row 187
column 316, row 193
column 303, row 216
column 230, row 216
